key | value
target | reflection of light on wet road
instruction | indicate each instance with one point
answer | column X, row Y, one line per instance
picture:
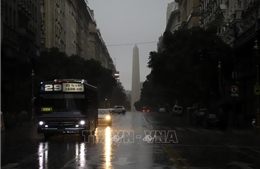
column 108, row 147
column 80, row 153
column 43, row 155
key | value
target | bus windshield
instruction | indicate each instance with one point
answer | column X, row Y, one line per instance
column 62, row 103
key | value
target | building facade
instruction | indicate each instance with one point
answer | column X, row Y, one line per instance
column 21, row 30
column 20, row 44
column 173, row 17
column 69, row 25
column 189, row 13
column 238, row 23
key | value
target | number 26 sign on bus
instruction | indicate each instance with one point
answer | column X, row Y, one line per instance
column 64, row 87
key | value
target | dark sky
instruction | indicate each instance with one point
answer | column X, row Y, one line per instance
column 124, row 23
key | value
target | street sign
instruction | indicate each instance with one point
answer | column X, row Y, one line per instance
column 257, row 89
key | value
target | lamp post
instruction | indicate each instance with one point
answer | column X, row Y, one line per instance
column 219, row 78
column 257, row 87
column 32, row 100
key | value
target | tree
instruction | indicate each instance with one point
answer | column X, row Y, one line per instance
column 52, row 64
column 186, row 69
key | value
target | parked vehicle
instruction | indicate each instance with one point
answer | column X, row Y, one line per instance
column 162, row 110
column 119, row 109
column 211, row 120
column 177, row 110
column 198, row 116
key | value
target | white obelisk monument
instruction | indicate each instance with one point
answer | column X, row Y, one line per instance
column 135, row 95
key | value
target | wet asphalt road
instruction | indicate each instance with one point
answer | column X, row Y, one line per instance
column 200, row 148
column 126, row 144
column 135, row 140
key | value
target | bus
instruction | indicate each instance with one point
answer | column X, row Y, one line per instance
column 66, row 106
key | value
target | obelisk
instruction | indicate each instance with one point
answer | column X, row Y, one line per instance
column 135, row 94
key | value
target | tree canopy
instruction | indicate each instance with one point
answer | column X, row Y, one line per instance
column 53, row 64
column 187, row 69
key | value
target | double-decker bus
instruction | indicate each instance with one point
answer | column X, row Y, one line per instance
column 66, row 106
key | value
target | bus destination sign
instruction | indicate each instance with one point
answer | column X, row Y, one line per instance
column 73, row 87
column 64, row 87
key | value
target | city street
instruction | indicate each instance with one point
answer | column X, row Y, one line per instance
column 198, row 147
column 121, row 146
column 135, row 140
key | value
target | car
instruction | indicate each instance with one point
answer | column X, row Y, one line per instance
column 104, row 117
column 119, row 109
column 198, row 116
column 162, row 110
column 145, row 109
column 177, row 110
column 211, row 120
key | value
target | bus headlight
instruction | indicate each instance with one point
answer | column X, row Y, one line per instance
column 82, row 122
column 41, row 123
column 108, row 117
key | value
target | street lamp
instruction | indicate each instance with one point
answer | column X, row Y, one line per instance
column 257, row 87
column 32, row 100
column 219, row 78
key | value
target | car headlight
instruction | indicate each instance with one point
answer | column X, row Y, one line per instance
column 108, row 117
column 82, row 122
column 41, row 123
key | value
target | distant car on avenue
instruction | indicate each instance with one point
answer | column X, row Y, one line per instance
column 145, row 109
column 104, row 117
column 162, row 110
column 119, row 109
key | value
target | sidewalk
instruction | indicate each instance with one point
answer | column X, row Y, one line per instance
column 26, row 131
column 184, row 121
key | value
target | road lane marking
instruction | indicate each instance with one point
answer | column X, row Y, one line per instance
column 10, row 166
column 193, row 130
column 146, row 121
column 253, row 150
column 167, row 128
column 122, row 161
column 176, row 158
column 180, row 128
column 69, row 163
column 240, row 164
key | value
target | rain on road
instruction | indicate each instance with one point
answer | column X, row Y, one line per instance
column 123, row 145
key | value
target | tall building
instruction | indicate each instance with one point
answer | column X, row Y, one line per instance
column 65, row 25
column 189, row 14
column 135, row 96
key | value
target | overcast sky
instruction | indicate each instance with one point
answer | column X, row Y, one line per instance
column 124, row 23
